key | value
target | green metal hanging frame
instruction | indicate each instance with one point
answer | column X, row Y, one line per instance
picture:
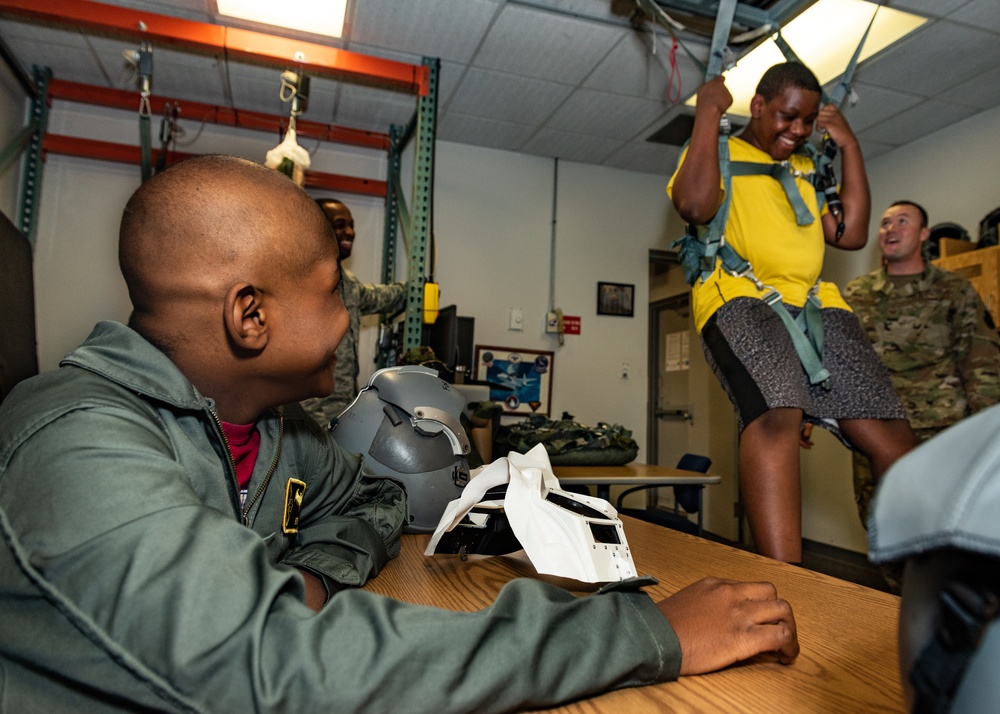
column 31, row 178
column 416, row 220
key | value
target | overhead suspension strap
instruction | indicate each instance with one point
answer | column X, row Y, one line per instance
column 670, row 25
column 843, row 88
column 168, row 133
column 145, row 70
column 720, row 38
column 719, row 56
column 827, row 180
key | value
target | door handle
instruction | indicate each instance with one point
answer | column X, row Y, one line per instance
column 684, row 413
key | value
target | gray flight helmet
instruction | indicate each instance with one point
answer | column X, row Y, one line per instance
column 407, row 425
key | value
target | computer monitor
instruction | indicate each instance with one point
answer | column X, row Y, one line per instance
column 452, row 339
column 466, row 353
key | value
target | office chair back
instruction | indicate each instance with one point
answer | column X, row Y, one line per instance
column 687, row 497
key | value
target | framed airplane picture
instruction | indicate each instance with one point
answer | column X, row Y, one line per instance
column 520, row 379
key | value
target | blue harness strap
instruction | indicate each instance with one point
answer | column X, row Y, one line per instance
column 703, row 246
column 782, row 173
column 720, row 36
column 806, row 331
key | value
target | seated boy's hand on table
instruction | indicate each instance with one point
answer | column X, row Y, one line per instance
column 720, row 622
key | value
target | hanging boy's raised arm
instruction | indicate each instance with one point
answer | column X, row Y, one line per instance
column 696, row 190
column 854, row 191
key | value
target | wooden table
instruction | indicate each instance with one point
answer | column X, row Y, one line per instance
column 604, row 477
column 847, row 632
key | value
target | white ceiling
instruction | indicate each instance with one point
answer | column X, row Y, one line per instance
column 566, row 78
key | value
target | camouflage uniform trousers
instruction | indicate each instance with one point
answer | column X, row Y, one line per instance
column 864, row 491
column 359, row 299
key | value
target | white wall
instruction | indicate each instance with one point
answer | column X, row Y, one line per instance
column 493, row 225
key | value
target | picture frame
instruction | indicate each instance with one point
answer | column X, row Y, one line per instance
column 519, row 378
column 616, row 299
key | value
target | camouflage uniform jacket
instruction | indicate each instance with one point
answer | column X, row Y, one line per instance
column 360, row 299
column 938, row 342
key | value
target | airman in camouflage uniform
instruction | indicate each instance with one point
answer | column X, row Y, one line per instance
column 930, row 329
column 360, row 299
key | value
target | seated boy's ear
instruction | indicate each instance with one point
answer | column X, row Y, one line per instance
column 245, row 317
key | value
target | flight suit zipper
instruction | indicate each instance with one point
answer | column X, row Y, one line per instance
column 245, row 510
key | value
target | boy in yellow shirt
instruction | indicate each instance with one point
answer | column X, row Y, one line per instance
column 744, row 339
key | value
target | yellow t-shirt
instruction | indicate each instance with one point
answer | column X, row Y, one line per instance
column 762, row 229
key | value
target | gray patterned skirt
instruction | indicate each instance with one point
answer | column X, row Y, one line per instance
column 751, row 353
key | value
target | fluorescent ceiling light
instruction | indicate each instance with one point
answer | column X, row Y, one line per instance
column 322, row 17
column 824, row 37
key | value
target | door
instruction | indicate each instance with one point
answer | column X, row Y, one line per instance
column 671, row 409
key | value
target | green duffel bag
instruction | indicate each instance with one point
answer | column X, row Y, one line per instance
column 567, row 442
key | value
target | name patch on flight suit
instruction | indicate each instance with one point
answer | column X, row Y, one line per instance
column 295, row 490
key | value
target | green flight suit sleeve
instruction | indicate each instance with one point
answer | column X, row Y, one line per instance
column 536, row 646
column 133, row 583
column 351, row 520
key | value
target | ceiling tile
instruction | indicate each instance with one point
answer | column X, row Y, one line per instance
column 612, row 116
column 979, row 13
column 433, row 28
column 876, row 104
column 46, row 35
column 572, row 147
column 449, row 73
column 922, row 119
column 199, row 10
column 930, row 8
column 373, row 108
column 507, row 97
column 584, row 9
column 535, row 43
column 871, row 148
column 477, row 131
column 982, row 91
column 633, row 68
column 646, row 157
column 933, row 59
column 75, row 64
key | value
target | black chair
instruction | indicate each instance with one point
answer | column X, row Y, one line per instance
column 687, row 499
